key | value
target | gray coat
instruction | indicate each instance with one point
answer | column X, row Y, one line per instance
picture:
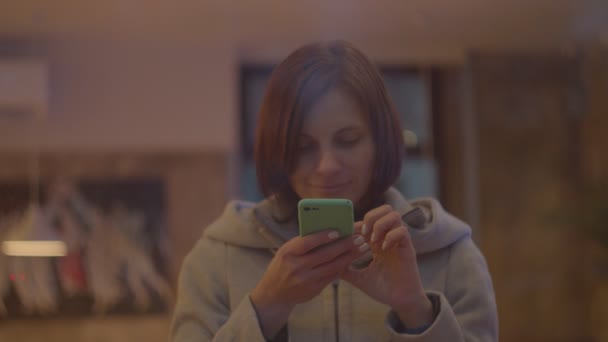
column 226, row 264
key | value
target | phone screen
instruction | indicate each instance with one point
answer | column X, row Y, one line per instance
column 318, row 214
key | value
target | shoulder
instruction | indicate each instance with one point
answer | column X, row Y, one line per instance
column 237, row 226
column 467, row 270
column 466, row 251
column 207, row 254
column 236, row 213
column 212, row 245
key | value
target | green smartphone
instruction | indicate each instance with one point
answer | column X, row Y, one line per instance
column 318, row 214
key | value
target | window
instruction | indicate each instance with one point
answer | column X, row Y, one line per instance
column 410, row 90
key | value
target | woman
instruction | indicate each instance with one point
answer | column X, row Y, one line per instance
column 327, row 129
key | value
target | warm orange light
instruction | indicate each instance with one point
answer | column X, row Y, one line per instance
column 32, row 248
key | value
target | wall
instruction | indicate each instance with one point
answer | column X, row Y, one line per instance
column 528, row 117
column 594, row 167
column 110, row 93
column 595, row 122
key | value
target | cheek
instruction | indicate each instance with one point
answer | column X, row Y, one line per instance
column 302, row 167
column 365, row 158
column 300, row 172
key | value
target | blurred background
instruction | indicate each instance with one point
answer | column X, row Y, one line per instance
column 125, row 126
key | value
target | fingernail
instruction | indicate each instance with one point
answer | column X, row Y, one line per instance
column 364, row 247
column 359, row 240
column 384, row 245
column 364, row 229
column 333, row 235
column 373, row 238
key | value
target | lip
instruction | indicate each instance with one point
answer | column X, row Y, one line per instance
column 330, row 187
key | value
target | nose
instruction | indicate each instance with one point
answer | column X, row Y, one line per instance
column 328, row 162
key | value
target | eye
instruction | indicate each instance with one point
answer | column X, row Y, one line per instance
column 348, row 143
column 305, row 145
column 349, row 139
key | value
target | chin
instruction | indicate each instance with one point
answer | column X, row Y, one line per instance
column 334, row 194
column 346, row 192
column 330, row 195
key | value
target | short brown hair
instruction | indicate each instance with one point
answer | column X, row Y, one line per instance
column 299, row 82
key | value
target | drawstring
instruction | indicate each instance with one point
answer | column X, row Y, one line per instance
column 270, row 237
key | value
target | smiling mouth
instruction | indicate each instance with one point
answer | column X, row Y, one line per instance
column 330, row 187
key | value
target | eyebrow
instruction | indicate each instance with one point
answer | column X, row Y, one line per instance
column 349, row 128
column 341, row 130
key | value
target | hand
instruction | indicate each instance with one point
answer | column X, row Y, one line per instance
column 299, row 271
column 392, row 277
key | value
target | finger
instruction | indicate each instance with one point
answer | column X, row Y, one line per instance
column 330, row 251
column 334, row 267
column 396, row 237
column 357, row 227
column 363, row 260
column 372, row 216
column 301, row 245
column 352, row 273
column 384, row 224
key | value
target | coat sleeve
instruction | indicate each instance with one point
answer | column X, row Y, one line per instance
column 202, row 311
column 467, row 309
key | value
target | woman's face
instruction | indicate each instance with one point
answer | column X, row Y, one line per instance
column 335, row 150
